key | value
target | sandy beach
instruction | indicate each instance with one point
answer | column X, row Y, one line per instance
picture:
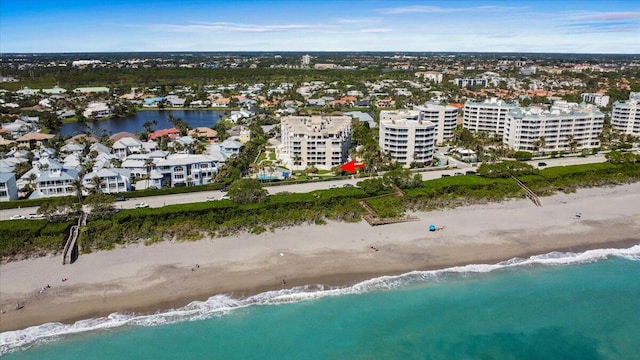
column 143, row 279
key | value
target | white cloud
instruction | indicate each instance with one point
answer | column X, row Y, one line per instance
column 232, row 27
column 411, row 9
column 375, row 30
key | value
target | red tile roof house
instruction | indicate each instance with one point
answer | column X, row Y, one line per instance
column 172, row 133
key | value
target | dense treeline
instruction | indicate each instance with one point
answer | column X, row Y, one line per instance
column 70, row 78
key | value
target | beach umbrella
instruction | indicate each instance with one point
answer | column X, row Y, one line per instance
column 432, row 227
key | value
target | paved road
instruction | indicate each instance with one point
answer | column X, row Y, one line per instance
column 162, row 200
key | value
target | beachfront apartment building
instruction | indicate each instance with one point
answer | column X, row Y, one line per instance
column 625, row 115
column 188, row 169
column 487, row 115
column 564, row 127
column 319, row 141
column 445, row 118
column 406, row 138
column 8, row 187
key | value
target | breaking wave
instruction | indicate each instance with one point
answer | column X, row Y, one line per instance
column 220, row 305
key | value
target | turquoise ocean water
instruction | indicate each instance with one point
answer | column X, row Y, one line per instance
column 555, row 306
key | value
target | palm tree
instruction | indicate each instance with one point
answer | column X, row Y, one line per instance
column 572, row 143
column 148, row 164
column 77, row 186
column 96, row 185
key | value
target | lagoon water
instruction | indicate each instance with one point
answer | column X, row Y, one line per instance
column 195, row 118
column 555, row 306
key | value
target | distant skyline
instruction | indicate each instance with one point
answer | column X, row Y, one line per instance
column 308, row 25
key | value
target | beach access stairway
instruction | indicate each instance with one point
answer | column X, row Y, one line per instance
column 70, row 253
column 372, row 217
column 528, row 192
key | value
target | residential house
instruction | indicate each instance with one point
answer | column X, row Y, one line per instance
column 34, row 140
column 188, row 169
column 52, row 179
column 154, row 181
column 127, row 146
column 8, row 187
column 18, row 127
column 205, row 132
column 97, row 110
column 112, row 181
column 73, row 148
column 171, row 133
column 175, row 101
column 91, row 90
column 231, row 146
column 153, row 101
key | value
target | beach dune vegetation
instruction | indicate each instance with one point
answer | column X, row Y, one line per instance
column 21, row 238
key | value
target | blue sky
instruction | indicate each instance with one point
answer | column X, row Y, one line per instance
column 308, row 25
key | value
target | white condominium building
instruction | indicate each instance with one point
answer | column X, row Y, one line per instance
column 445, row 118
column 596, row 99
column 625, row 115
column 320, row 141
column 558, row 126
column 407, row 138
column 487, row 115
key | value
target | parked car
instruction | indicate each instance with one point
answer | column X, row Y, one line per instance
column 542, row 164
column 211, row 198
column 36, row 216
column 17, row 217
column 225, row 197
column 458, row 174
column 120, row 198
column 142, row 205
column 333, row 186
column 445, row 175
column 347, row 185
column 470, row 172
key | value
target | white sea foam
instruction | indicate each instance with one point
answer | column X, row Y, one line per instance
column 219, row 305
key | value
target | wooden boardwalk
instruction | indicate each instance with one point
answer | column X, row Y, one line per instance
column 372, row 217
column 528, row 192
column 70, row 253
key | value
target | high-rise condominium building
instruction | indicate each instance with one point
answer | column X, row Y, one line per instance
column 407, row 138
column 564, row 127
column 625, row 115
column 487, row 115
column 445, row 118
column 306, row 60
column 320, row 141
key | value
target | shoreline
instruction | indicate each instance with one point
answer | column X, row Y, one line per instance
column 146, row 279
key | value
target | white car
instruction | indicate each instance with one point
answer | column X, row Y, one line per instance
column 225, row 197
column 17, row 217
column 211, row 198
column 142, row 205
column 36, row 216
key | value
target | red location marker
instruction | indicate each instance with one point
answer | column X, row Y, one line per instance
column 351, row 166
